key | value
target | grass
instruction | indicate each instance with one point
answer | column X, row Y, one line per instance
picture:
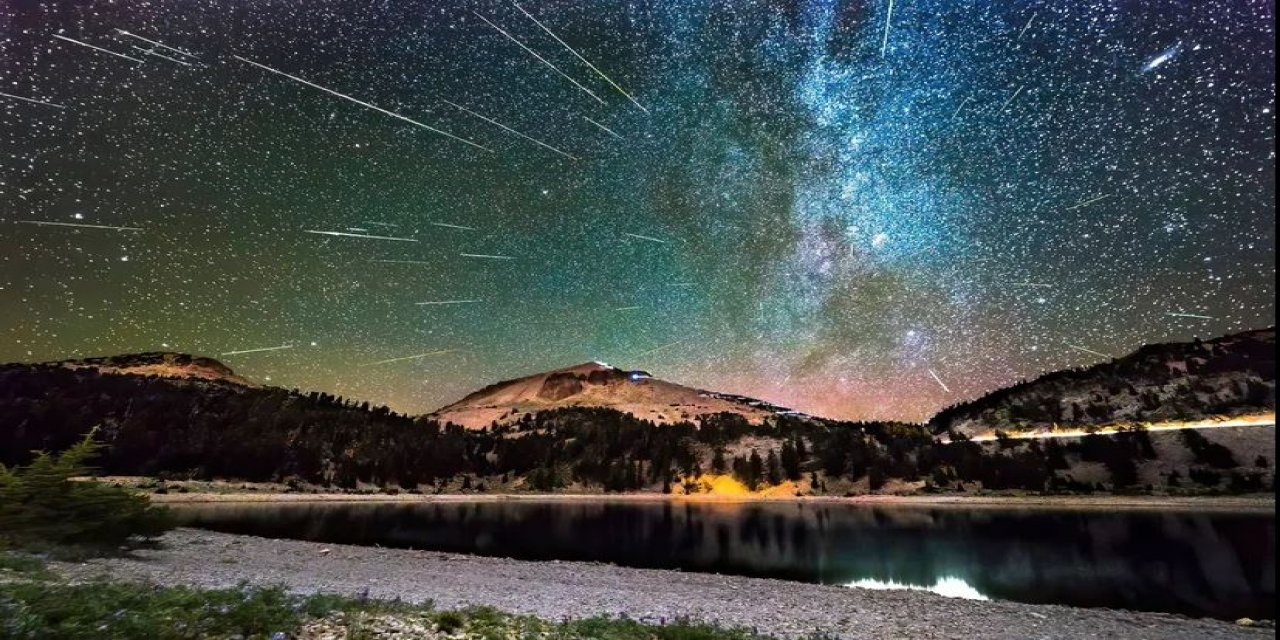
column 25, row 565
column 46, row 609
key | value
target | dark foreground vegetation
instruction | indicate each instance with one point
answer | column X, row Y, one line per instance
column 49, row 505
column 31, row 609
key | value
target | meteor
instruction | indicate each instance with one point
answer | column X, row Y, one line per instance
column 1165, row 56
column 665, row 346
column 961, row 107
column 1028, row 26
column 400, row 261
column 580, row 57
column 1190, row 315
column 154, row 43
column 153, row 52
column 406, row 358
column 452, row 226
column 510, row 130
column 482, row 256
column 603, row 128
column 1090, row 351
column 77, row 225
column 106, row 51
column 262, row 350
column 540, row 58
column 940, row 382
column 884, row 46
column 635, row 308
column 442, row 303
column 1085, row 203
column 31, row 100
column 1011, row 99
column 365, row 104
column 646, row 238
column 344, row 234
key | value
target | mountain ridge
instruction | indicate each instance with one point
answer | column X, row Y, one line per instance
column 1227, row 376
column 163, row 364
column 598, row 385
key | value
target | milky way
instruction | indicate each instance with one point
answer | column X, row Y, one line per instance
column 864, row 210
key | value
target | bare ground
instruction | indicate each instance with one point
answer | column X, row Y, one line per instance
column 557, row 590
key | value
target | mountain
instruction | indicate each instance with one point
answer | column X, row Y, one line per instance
column 163, row 364
column 1181, row 382
column 598, row 385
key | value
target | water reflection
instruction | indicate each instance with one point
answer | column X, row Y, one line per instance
column 1215, row 564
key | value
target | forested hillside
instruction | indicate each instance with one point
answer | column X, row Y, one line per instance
column 1178, row 382
column 192, row 429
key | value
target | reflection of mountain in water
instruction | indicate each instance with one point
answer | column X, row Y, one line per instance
column 1203, row 564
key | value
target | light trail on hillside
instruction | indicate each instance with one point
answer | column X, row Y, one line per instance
column 1263, row 421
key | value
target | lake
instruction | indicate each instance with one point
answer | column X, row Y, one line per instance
column 1214, row 564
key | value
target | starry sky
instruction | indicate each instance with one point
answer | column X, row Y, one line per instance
column 856, row 209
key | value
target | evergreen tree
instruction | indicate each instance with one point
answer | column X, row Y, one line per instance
column 790, row 461
column 755, row 470
column 773, row 468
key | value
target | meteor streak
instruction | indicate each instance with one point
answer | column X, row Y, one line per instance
column 365, row 104
column 1011, row 99
column 1190, row 315
column 400, row 261
column 1085, row 203
column 158, row 44
column 646, row 238
column 580, row 57
column 1090, row 351
column 344, row 234
column 405, row 358
column 540, row 58
column 262, row 350
column 452, row 226
column 1165, row 56
column 510, row 130
column 1028, row 26
column 961, row 107
column 31, row 100
column 603, row 128
column 482, row 256
column 77, row 225
column 884, row 46
column 940, row 382
column 665, row 346
column 153, row 52
column 628, row 308
column 106, row 51
column 441, row 303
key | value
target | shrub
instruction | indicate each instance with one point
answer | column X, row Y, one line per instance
column 45, row 504
column 1207, row 452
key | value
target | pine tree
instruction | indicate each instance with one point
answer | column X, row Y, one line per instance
column 49, row 503
column 773, row 468
column 718, row 463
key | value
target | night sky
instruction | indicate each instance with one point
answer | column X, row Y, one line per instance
column 857, row 209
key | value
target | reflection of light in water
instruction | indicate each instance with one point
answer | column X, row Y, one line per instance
column 949, row 586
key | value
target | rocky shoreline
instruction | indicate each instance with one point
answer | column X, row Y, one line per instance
column 560, row 590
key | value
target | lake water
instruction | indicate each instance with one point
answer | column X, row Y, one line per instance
column 1196, row 563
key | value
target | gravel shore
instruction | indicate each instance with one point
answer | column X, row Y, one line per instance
column 557, row 590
